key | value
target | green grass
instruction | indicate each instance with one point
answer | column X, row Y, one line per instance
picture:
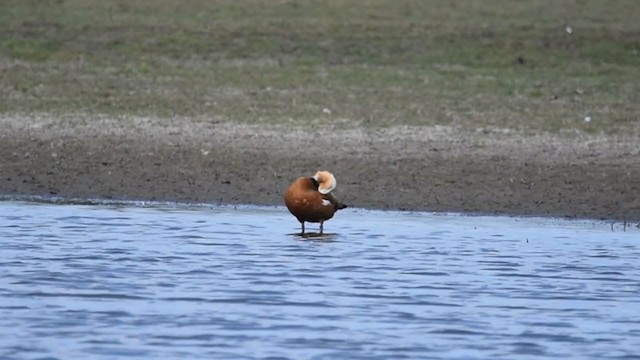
column 469, row 63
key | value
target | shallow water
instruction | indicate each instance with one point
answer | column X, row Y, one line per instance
column 116, row 281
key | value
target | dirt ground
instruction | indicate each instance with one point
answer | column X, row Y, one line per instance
column 408, row 168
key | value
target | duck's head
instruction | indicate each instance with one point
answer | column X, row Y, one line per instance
column 326, row 181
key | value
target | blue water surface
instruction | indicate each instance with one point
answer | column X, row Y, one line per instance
column 165, row 281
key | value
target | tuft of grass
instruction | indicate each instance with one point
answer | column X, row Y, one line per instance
column 539, row 66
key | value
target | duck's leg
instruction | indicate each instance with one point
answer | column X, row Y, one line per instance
column 302, row 223
column 321, row 223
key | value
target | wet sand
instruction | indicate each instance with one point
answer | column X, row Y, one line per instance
column 489, row 171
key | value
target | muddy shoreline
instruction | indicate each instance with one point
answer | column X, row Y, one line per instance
column 489, row 171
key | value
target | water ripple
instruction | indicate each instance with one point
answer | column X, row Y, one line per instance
column 202, row 282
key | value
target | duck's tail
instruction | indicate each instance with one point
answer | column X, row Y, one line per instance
column 336, row 203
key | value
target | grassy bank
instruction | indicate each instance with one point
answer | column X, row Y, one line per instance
column 533, row 66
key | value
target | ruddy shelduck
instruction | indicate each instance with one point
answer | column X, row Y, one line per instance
column 309, row 199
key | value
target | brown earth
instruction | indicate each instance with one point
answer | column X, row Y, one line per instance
column 406, row 168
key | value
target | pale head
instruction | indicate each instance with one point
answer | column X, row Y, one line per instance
column 326, row 181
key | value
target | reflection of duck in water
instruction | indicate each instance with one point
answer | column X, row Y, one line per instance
column 309, row 198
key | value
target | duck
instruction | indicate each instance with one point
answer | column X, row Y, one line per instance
column 309, row 199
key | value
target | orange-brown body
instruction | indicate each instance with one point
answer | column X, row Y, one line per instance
column 307, row 204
